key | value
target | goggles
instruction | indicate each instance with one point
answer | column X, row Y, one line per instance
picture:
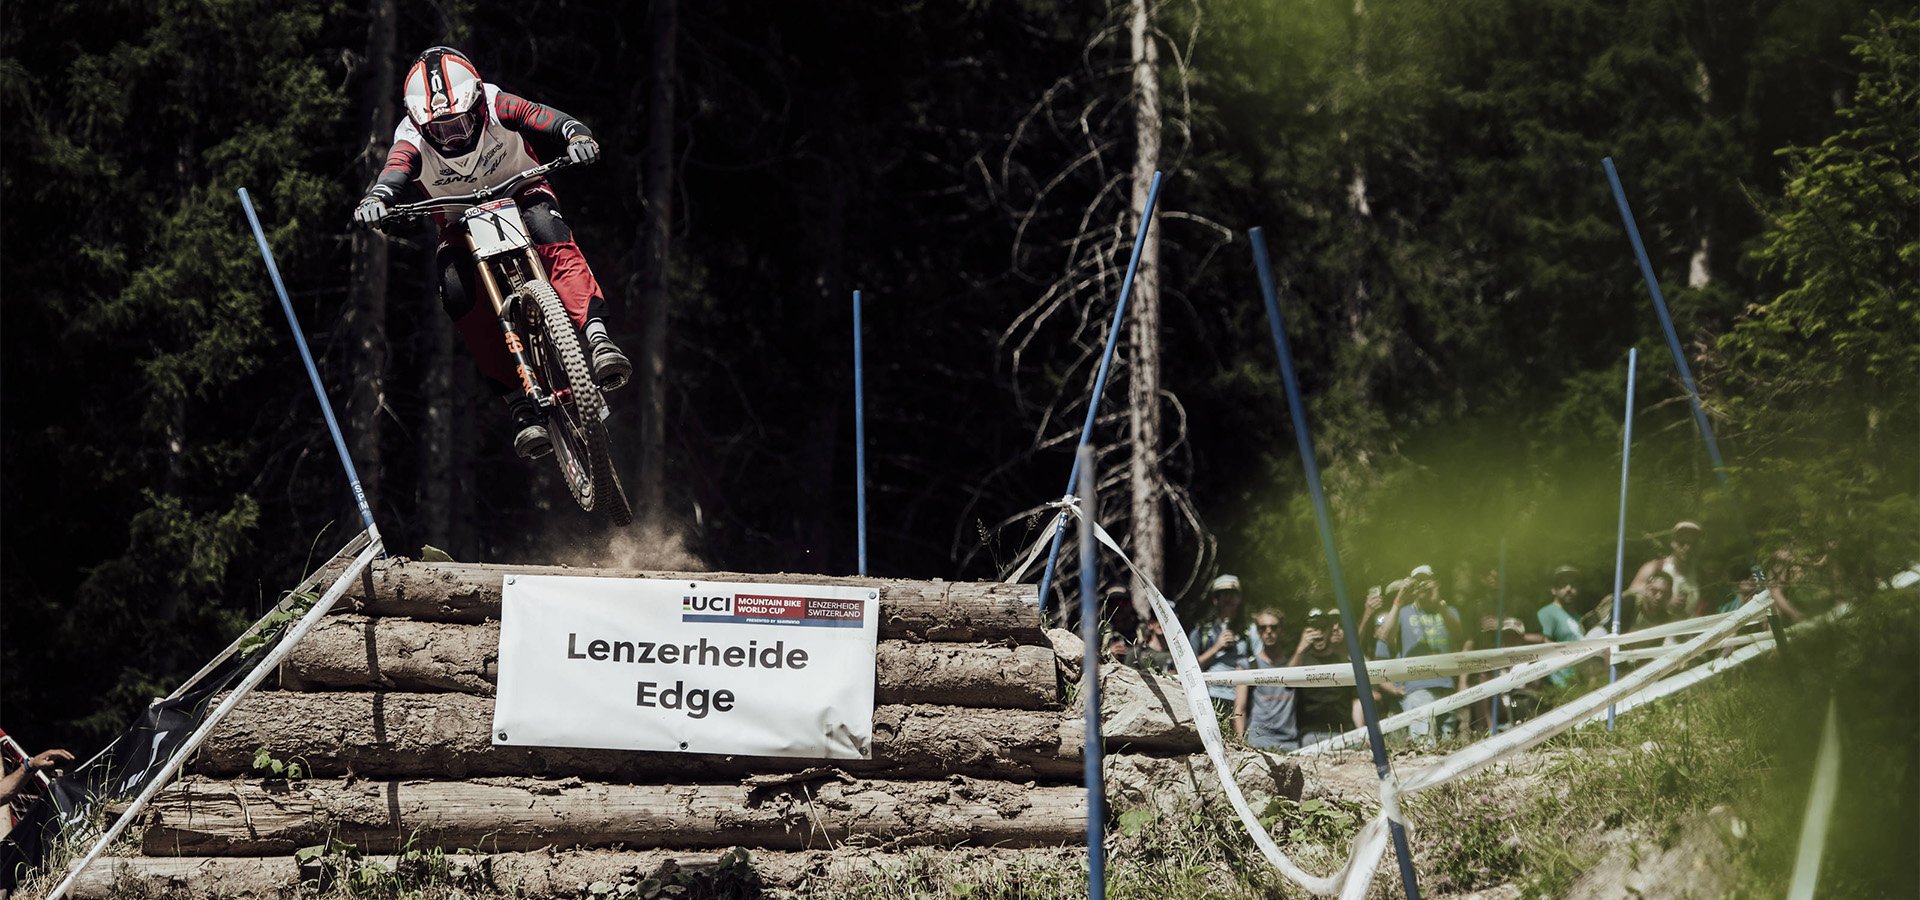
column 457, row 130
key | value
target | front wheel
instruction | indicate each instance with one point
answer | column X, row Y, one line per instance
column 579, row 433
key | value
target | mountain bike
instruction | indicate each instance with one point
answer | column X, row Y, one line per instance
column 543, row 344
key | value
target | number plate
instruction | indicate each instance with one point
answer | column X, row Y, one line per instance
column 495, row 227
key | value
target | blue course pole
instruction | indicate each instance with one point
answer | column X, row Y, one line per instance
column 1666, row 321
column 1100, row 380
column 1620, row 540
column 300, row 340
column 1362, row 683
column 1090, row 678
column 1680, row 361
column 1499, row 634
column 859, row 434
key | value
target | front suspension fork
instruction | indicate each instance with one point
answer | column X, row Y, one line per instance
column 516, row 347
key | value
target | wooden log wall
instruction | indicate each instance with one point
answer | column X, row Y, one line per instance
column 387, row 707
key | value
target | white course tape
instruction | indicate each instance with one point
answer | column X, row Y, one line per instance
column 1756, row 645
column 1532, row 671
column 1372, row 840
column 1019, row 572
column 1760, row 637
column 1819, row 817
column 267, row 665
column 1355, row 878
column 1646, row 653
column 1581, row 708
column 1464, row 662
column 1390, row 800
column 1689, row 678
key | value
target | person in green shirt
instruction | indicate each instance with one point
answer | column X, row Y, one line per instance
column 1557, row 619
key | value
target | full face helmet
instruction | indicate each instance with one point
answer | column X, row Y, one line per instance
column 446, row 100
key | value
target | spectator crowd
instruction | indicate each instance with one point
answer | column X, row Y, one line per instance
column 1414, row 616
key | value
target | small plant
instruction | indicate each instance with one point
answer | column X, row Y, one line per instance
column 342, row 868
column 292, row 769
column 1314, row 820
column 296, row 604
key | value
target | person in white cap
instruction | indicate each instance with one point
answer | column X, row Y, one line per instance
column 1680, row 564
column 1222, row 642
column 1427, row 627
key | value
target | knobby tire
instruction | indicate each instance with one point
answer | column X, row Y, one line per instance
column 583, row 424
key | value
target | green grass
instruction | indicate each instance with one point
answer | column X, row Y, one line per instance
column 1740, row 746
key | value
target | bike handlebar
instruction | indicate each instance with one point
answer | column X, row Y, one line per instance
column 407, row 212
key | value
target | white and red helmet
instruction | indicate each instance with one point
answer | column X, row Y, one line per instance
column 446, row 99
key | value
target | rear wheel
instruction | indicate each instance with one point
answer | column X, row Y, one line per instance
column 579, row 433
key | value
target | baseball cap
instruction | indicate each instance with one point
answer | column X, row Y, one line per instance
column 1421, row 570
column 1318, row 614
column 1561, row 573
column 1224, row 583
column 1514, row 625
column 1684, row 525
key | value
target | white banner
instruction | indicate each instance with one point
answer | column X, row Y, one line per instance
column 686, row 666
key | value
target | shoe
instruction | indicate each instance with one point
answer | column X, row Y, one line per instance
column 611, row 369
column 530, row 441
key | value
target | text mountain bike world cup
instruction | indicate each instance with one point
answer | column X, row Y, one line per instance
column 773, row 609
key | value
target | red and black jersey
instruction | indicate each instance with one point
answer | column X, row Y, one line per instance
column 500, row 152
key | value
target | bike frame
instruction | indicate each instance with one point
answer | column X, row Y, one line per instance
column 496, row 235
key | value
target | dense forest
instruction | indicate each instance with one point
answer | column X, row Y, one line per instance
column 1459, row 287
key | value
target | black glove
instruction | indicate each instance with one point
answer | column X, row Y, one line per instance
column 371, row 211
column 583, row 150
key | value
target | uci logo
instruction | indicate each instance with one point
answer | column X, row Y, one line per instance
column 706, row 604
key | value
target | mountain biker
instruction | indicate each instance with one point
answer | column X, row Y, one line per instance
column 462, row 134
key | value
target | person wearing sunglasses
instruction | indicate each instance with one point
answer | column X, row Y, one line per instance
column 1265, row 714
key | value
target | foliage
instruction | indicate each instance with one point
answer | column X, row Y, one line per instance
column 1190, row 852
column 1744, row 743
column 268, row 629
column 135, row 309
column 1316, row 820
column 1825, row 366
column 1459, row 291
column 290, row 769
column 337, row 868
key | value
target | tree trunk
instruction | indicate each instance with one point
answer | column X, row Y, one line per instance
column 957, row 611
column 228, row 818
column 437, row 445
column 393, row 735
column 365, row 323
column 1358, row 303
column 355, row 652
column 656, row 262
column 1143, row 387
column 555, row 873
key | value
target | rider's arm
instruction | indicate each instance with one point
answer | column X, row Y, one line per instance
column 528, row 117
column 403, row 165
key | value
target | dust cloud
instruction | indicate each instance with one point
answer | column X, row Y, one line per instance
column 642, row 545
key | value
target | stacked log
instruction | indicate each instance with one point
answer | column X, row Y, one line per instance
column 387, row 706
